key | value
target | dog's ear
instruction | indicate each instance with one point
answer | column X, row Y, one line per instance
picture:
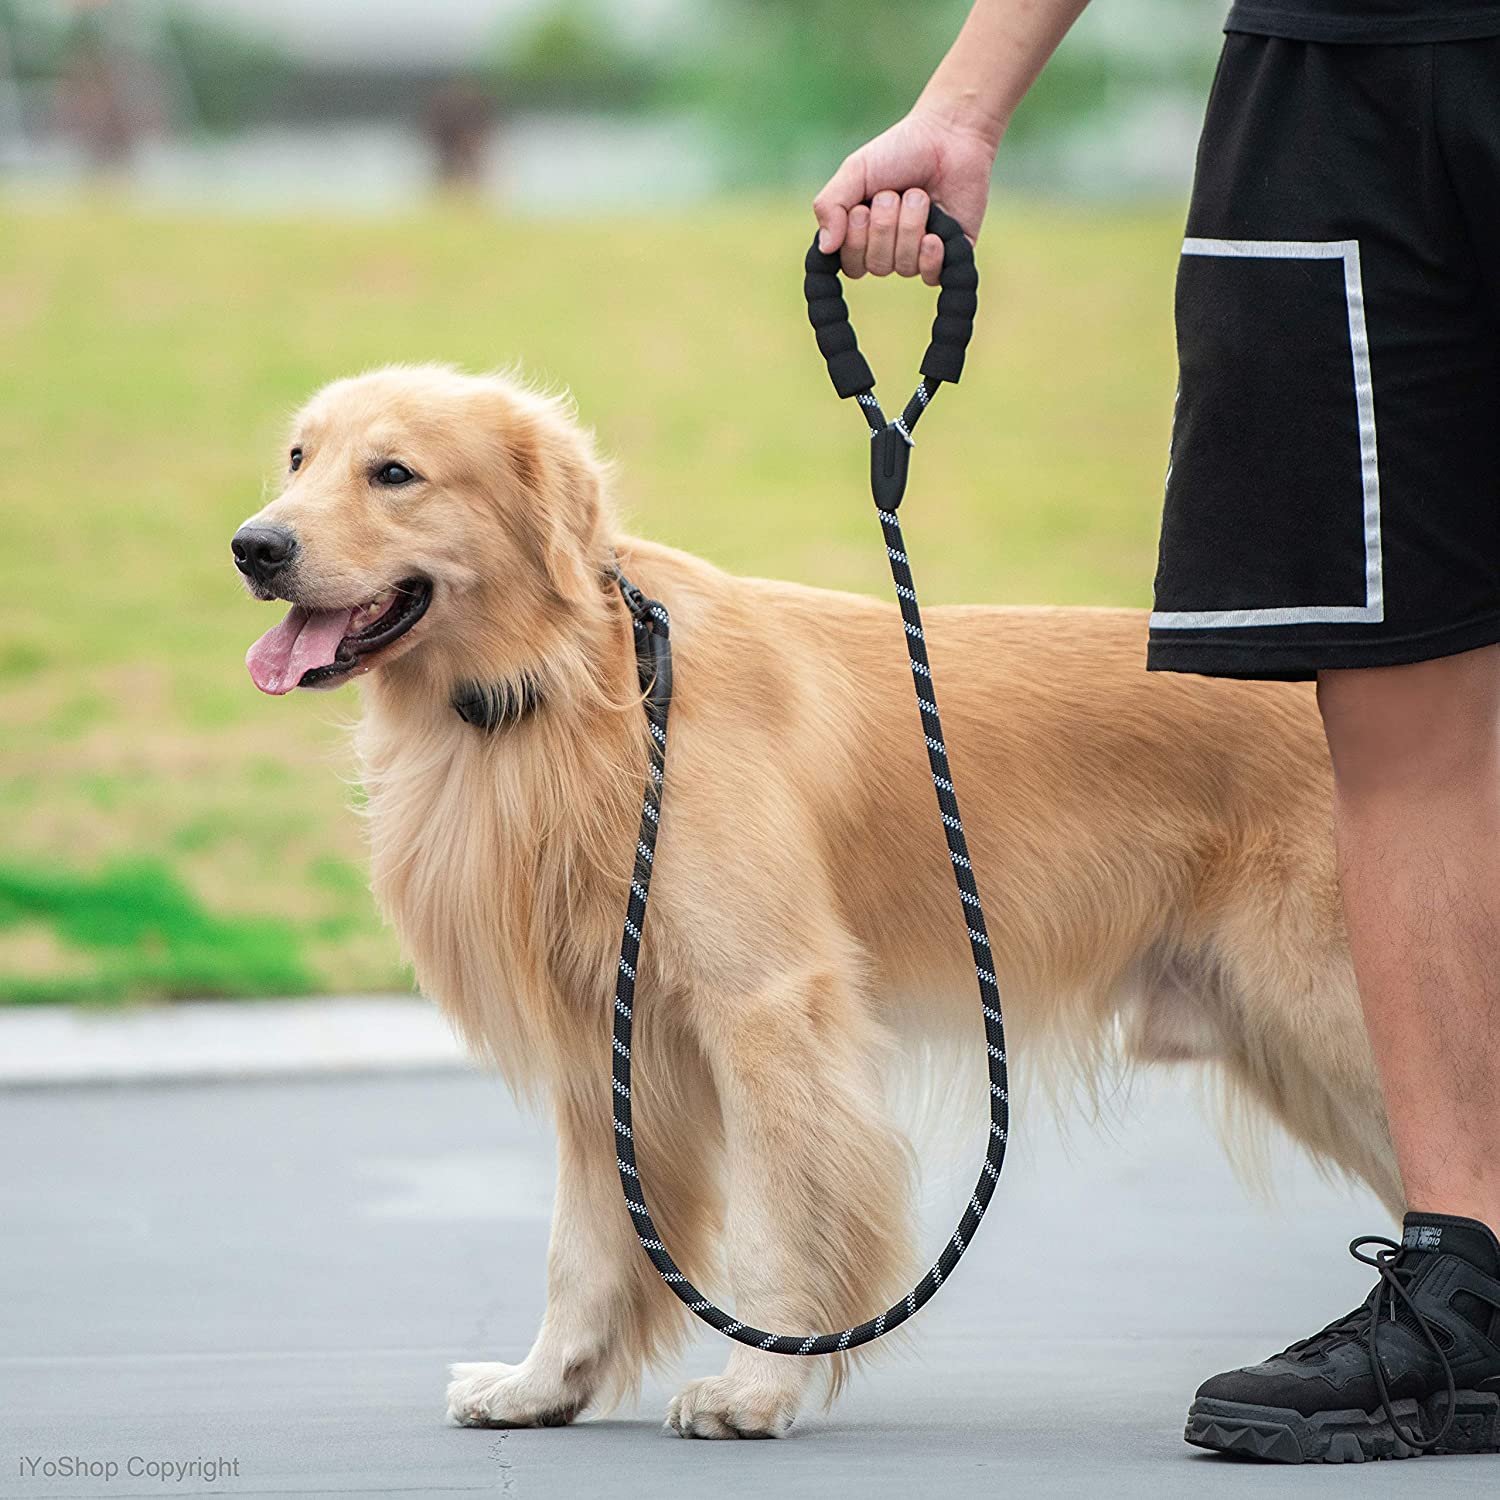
column 560, row 483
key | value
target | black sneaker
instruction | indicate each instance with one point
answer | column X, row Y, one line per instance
column 1415, row 1370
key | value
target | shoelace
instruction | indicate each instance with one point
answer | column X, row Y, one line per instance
column 1392, row 1284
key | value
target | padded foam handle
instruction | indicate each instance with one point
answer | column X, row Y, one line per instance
column 952, row 328
column 958, row 300
column 829, row 315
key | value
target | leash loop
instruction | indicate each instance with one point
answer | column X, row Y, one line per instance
column 952, row 328
column 890, row 454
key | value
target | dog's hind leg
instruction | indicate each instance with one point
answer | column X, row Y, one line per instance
column 608, row 1312
column 1273, row 1004
column 1302, row 1052
column 817, row 1223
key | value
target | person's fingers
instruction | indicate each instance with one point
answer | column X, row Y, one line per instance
column 840, row 193
column 856, row 242
column 911, row 225
column 930, row 259
column 880, row 256
column 835, row 223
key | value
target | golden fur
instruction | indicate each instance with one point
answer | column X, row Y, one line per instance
column 1154, row 851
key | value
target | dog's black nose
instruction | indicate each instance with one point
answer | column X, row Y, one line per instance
column 261, row 552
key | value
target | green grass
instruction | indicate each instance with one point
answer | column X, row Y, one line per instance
column 143, row 935
column 151, row 363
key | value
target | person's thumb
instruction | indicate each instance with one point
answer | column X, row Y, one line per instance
column 831, row 207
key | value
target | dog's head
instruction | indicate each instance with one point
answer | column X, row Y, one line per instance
column 426, row 516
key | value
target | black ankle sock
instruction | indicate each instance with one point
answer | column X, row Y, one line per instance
column 1448, row 1234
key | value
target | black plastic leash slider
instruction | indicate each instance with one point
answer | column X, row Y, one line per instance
column 890, row 458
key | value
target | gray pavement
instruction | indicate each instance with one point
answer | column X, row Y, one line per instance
column 278, row 1272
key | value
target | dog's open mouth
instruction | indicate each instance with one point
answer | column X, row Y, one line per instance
column 320, row 647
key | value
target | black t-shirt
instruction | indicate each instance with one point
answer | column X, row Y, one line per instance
column 1367, row 20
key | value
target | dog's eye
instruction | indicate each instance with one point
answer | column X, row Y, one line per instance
column 296, row 460
column 394, row 474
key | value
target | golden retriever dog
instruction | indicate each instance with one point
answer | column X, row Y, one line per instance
column 1155, row 853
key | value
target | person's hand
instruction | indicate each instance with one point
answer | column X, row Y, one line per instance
column 919, row 159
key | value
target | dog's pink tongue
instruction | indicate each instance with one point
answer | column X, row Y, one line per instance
column 304, row 640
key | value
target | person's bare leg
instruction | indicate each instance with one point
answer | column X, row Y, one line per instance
column 1416, row 758
column 1416, row 762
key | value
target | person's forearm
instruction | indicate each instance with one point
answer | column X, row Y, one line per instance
column 1004, row 44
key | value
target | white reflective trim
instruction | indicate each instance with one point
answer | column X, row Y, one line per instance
column 1372, row 611
column 1274, row 249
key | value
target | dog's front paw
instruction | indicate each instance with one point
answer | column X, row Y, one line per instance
column 724, row 1407
column 482, row 1395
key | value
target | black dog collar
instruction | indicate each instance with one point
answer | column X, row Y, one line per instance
column 501, row 705
column 496, row 705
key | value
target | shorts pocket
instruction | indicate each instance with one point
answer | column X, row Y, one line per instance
column 1272, row 511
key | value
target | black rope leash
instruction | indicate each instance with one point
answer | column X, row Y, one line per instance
column 889, row 459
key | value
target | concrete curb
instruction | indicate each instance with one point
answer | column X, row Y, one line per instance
column 224, row 1039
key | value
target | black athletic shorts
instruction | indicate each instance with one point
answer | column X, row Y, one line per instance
column 1333, row 497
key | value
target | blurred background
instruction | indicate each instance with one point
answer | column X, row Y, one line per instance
column 209, row 207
